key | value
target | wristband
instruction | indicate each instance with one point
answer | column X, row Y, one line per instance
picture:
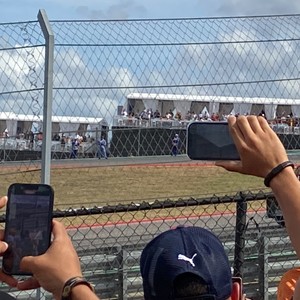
column 276, row 171
column 71, row 283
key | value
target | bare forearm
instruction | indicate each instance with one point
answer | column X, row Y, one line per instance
column 286, row 188
column 260, row 152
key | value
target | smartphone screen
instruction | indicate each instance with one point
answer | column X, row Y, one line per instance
column 28, row 223
column 210, row 141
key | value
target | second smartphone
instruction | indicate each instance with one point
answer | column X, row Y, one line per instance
column 28, row 224
column 210, row 141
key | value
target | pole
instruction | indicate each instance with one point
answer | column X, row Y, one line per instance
column 239, row 250
column 48, row 97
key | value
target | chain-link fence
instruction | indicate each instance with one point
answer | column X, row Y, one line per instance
column 135, row 84
column 109, row 240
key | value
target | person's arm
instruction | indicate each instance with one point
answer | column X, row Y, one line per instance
column 54, row 268
column 286, row 189
column 260, row 151
column 297, row 290
column 81, row 292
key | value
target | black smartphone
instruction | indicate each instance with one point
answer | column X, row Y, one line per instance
column 28, row 224
column 210, row 141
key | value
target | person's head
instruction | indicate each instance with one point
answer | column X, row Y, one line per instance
column 186, row 263
column 287, row 284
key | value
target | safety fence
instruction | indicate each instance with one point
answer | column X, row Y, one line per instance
column 137, row 83
column 145, row 78
column 109, row 240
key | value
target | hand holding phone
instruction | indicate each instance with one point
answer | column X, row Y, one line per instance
column 28, row 224
column 52, row 269
column 210, row 141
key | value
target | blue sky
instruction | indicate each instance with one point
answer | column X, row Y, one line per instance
column 26, row 10
column 215, row 63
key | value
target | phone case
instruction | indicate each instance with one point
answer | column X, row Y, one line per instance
column 28, row 224
column 210, row 141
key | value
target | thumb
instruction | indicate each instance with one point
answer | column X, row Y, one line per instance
column 27, row 264
column 3, row 201
column 3, row 247
column 233, row 166
column 59, row 231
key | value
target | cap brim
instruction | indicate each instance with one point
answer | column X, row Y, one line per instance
column 5, row 296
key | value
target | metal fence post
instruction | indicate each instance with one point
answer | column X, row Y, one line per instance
column 47, row 106
column 48, row 91
column 240, row 229
column 4, row 150
column 97, row 139
column 263, row 259
column 122, row 275
column 139, row 143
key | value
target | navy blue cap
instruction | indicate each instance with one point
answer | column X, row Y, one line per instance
column 185, row 250
column 6, row 296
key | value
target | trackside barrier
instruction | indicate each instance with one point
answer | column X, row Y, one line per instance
column 259, row 249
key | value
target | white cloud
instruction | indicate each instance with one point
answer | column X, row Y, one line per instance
column 257, row 7
column 119, row 10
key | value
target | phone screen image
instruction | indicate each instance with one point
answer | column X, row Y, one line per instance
column 28, row 224
column 210, row 141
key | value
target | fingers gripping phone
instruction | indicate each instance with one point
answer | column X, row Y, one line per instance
column 28, row 224
column 237, row 286
column 210, row 141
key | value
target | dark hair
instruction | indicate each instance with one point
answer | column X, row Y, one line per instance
column 189, row 285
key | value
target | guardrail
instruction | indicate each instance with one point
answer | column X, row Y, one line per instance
column 259, row 250
column 116, row 275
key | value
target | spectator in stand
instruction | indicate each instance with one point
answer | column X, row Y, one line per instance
column 263, row 114
column 144, row 115
column 58, row 270
column 188, row 116
column 5, row 133
column 63, row 143
column 194, row 116
column 187, row 263
column 156, row 114
column 56, row 137
column 170, row 115
column 133, row 115
column 178, row 116
column 150, row 113
column 206, row 116
column 31, row 140
column 124, row 112
column 215, row 117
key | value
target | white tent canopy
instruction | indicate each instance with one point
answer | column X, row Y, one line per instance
column 14, row 123
column 242, row 105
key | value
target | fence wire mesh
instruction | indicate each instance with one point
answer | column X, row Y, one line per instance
column 137, row 83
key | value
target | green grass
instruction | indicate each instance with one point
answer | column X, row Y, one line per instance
column 113, row 185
